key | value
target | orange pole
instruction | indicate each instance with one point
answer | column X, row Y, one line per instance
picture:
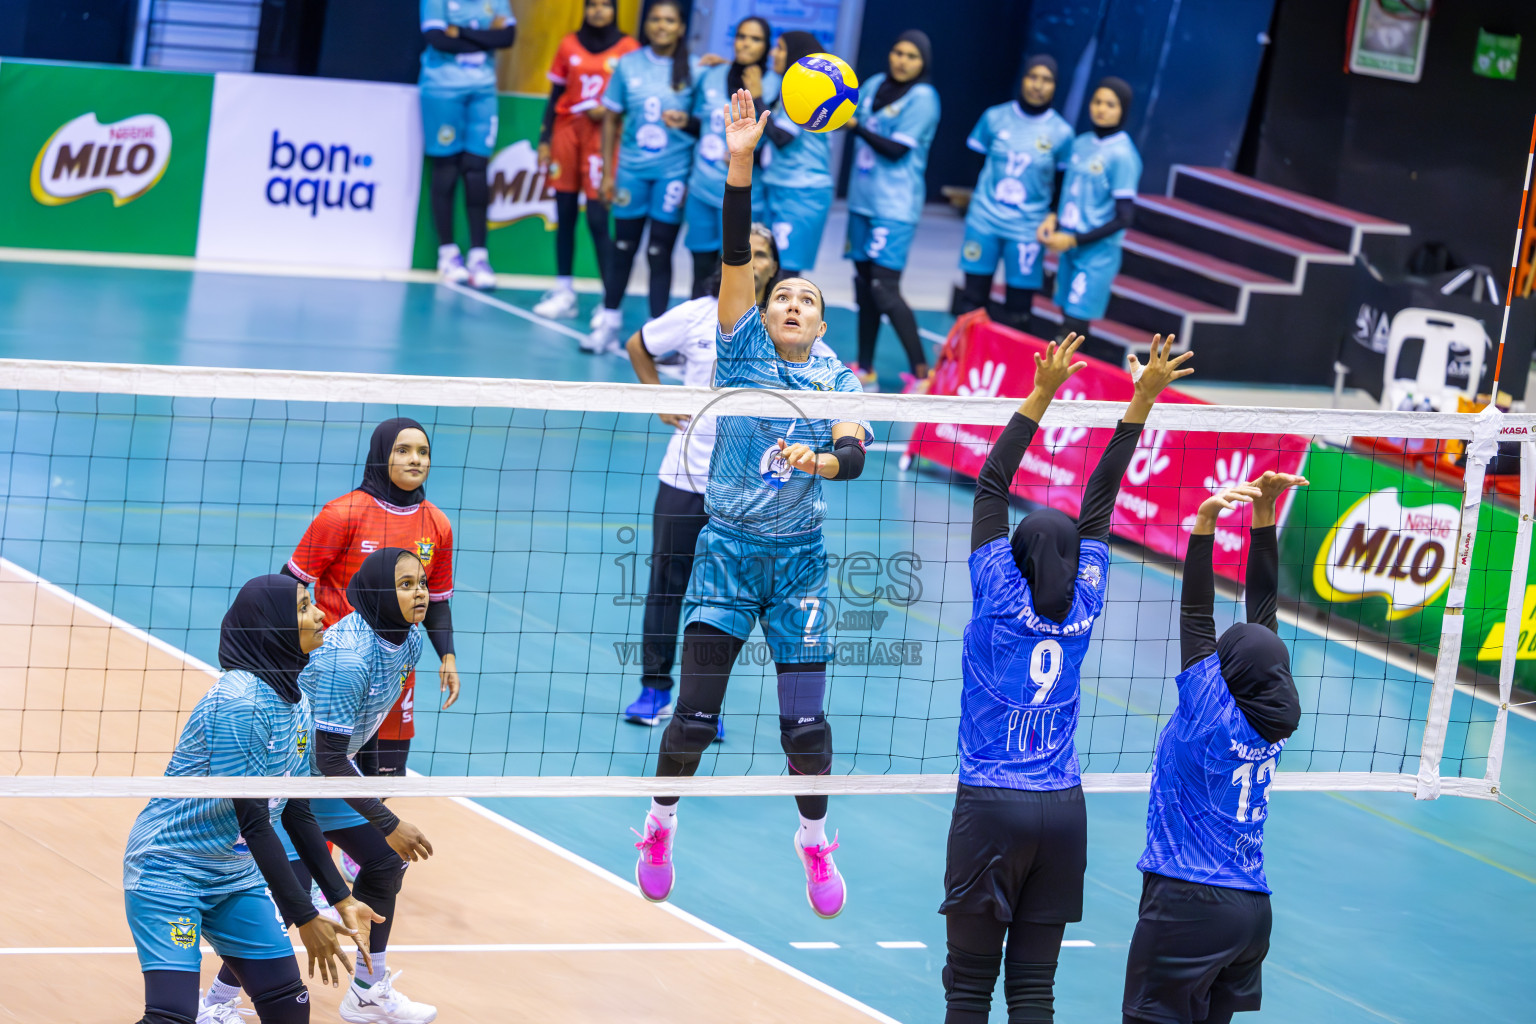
column 1514, row 264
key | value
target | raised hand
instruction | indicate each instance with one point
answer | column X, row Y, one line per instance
column 1269, row 487
column 1151, row 379
column 1225, row 501
column 743, row 126
column 1053, row 369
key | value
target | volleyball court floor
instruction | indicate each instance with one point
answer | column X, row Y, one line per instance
column 1386, row 909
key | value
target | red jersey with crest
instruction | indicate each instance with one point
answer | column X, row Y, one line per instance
column 347, row 531
column 585, row 75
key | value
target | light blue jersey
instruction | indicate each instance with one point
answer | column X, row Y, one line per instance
column 1013, row 193
column 465, row 72
column 1022, row 673
column 641, row 90
column 1099, row 171
column 710, row 159
column 751, row 488
column 354, row 679
column 193, row 847
column 806, row 163
column 893, row 189
column 1210, row 788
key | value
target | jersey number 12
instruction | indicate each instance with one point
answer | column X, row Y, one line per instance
column 1244, row 776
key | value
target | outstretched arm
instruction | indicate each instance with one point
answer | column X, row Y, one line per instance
column 1263, row 587
column 1093, row 522
column 1197, row 602
column 989, row 514
column 738, row 288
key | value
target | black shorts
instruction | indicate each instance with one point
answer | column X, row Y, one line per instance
column 1017, row 854
column 1198, row 949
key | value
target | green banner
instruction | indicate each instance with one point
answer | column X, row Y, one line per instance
column 1371, row 542
column 522, row 207
column 102, row 158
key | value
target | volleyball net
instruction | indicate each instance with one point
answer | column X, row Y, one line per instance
column 136, row 500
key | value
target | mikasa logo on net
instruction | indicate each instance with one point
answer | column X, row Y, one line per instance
column 316, row 175
column 125, row 158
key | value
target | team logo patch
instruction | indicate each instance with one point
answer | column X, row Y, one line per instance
column 817, row 385
column 303, row 745
column 621, row 197
column 775, row 471
column 446, row 134
column 183, row 932
column 1042, row 143
column 1092, row 574
column 554, row 169
column 1096, row 166
column 972, row 251
column 424, row 551
column 610, row 64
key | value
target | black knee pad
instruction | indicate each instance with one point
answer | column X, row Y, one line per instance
column 807, row 743
column 886, row 293
column 287, row 1005
column 688, row 734
column 1030, row 989
column 969, row 979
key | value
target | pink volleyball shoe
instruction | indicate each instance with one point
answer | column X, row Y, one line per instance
column 653, row 870
column 824, row 888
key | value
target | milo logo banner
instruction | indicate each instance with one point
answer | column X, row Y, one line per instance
column 1373, row 543
column 102, row 158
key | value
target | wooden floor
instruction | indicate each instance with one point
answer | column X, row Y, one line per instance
column 74, row 682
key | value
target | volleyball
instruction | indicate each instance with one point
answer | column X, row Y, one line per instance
column 820, row 92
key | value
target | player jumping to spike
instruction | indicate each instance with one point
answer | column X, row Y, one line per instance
column 1018, row 841
column 761, row 560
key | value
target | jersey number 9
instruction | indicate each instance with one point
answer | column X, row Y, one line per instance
column 1045, row 665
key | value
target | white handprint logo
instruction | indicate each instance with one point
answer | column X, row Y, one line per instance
column 984, row 383
column 1231, row 471
column 1149, row 460
column 1057, row 438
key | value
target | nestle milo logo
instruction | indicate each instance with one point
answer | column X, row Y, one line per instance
column 519, row 188
column 1379, row 548
column 125, row 158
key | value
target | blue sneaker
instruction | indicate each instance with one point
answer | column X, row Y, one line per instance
column 651, row 707
column 720, row 729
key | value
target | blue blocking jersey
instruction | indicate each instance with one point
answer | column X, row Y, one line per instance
column 641, row 90
column 1210, row 788
column 1022, row 674
column 710, row 159
column 750, row 487
column 193, row 847
column 354, row 679
column 893, row 189
column 1013, row 193
column 1099, row 171
column 805, row 163
column 467, row 72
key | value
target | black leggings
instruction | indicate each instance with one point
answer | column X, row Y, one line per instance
column 676, row 523
column 976, row 957
column 567, row 207
column 275, row 987
column 878, row 291
column 384, row 757
column 658, row 254
column 380, row 872
column 704, row 266
column 708, row 654
column 446, row 171
column 1016, row 302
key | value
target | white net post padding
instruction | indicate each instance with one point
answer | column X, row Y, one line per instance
column 1514, row 615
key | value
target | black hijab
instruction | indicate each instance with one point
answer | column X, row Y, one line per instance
column 733, row 76
column 891, row 90
column 376, row 481
column 372, row 595
column 797, row 46
column 596, row 40
column 260, row 634
column 1122, row 90
column 1038, row 61
column 1045, row 549
column 1257, row 668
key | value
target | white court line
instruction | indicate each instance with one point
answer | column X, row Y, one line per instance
column 480, row 947
column 507, row 307
column 902, row 945
column 815, row 945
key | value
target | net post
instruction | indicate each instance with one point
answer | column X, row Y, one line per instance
column 1514, row 614
column 1484, row 445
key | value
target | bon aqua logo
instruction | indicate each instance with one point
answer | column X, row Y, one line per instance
column 124, row 159
column 317, row 176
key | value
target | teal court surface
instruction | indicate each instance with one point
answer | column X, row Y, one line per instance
column 1386, row 909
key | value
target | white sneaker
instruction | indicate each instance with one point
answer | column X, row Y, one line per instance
column 558, row 304
column 222, row 1013
column 605, row 336
column 381, row 1004
column 597, row 316
column 481, row 276
column 450, row 265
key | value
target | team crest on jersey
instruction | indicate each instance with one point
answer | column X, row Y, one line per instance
column 554, row 170
column 184, row 932
column 446, row 135
column 424, row 551
column 1096, row 166
column 1093, row 575
column 775, row 471
column 621, row 197
column 1042, row 143
column 972, row 250
column 611, row 64
column 303, row 745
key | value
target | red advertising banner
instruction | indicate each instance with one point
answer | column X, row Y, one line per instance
column 1171, row 473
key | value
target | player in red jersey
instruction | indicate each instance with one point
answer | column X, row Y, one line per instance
column 571, row 142
column 388, row 509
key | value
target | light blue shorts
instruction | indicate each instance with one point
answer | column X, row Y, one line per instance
column 798, row 217
column 1023, row 266
column 454, row 120
column 1084, row 276
column 740, row 580
column 703, row 225
column 878, row 240
column 660, row 199
column 167, row 929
